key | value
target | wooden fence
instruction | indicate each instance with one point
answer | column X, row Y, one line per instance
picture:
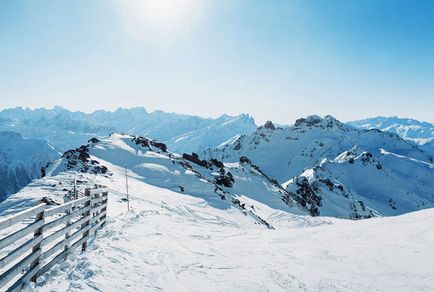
column 41, row 237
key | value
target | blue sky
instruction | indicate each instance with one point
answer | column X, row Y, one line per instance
column 276, row 60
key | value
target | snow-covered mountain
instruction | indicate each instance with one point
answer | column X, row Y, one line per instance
column 173, row 241
column 21, row 160
column 334, row 169
column 421, row 133
column 239, row 184
column 67, row 130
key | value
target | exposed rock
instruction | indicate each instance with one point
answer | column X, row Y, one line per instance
column 195, row 159
column 269, row 125
column 144, row 142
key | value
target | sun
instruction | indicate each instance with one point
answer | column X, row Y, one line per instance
column 159, row 19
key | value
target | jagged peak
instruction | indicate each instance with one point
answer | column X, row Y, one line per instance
column 269, row 125
column 316, row 121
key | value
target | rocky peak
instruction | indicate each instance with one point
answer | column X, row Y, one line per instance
column 316, row 121
column 269, row 125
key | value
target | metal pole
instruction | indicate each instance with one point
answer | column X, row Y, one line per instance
column 126, row 186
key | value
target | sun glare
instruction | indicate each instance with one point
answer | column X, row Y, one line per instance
column 154, row 20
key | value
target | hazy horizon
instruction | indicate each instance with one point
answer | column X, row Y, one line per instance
column 257, row 121
column 274, row 60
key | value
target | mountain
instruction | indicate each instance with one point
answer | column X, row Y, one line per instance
column 333, row 169
column 66, row 130
column 241, row 185
column 176, row 241
column 421, row 133
column 21, row 160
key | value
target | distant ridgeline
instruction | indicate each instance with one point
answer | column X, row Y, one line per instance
column 67, row 130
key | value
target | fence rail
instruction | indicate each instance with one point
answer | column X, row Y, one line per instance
column 30, row 250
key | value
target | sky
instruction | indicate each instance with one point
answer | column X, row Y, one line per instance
column 276, row 60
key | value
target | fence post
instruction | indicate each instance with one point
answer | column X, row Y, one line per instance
column 68, row 234
column 105, row 194
column 88, row 214
column 38, row 247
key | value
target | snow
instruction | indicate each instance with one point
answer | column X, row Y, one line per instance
column 21, row 161
column 421, row 133
column 351, row 173
column 67, row 130
column 173, row 242
column 192, row 240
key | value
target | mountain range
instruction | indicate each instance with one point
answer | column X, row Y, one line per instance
column 65, row 129
column 261, row 210
column 318, row 166
column 421, row 133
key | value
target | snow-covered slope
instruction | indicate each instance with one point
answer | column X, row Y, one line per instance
column 171, row 241
column 222, row 185
column 336, row 170
column 21, row 160
column 421, row 133
column 387, row 184
column 67, row 130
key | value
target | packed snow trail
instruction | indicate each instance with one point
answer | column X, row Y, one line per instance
column 172, row 242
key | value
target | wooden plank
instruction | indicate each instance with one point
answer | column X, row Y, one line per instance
column 64, row 207
column 65, row 218
column 95, row 228
column 17, row 268
column 18, row 285
column 63, row 231
column 11, row 220
column 98, row 191
column 98, row 217
column 59, row 257
column 98, row 200
column 19, row 251
column 20, row 234
column 63, row 243
column 96, row 209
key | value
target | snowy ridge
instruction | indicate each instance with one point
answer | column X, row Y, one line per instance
column 333, row 169
column 241, row 185
column 421, row 133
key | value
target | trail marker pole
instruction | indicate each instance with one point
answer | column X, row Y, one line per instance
column 126, row 186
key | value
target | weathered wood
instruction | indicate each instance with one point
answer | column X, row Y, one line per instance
column 58, row 258
column 64, row 230
column 17, row 268
column 88, row 215
column 19, row 284
column 19, row 251
column 37, row 249
column 98, row 200
column 64, row 207
column 63, row 243
column 98, row 217
column 20, row 234
column 98, row 225
column 11, row 220
column 94, row 203
column 98, row 208
column 61, row 220
column 97, row 191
